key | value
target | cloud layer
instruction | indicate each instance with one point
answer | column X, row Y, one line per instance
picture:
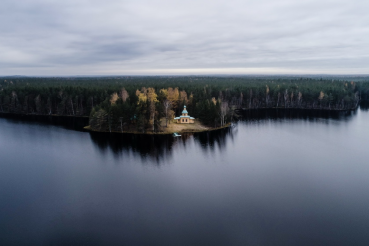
column 90, row 37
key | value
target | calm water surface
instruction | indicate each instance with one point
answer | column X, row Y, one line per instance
column 277, row 178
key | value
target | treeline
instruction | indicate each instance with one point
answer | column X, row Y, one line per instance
column 143, row 103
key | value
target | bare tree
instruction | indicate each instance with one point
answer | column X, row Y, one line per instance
column 71, row 103
column 124, row 95
column 285, row 98
column 152, row 114
column 14, row 101
column 241, row 100
column 167, row 104
column 299, row 98
column 38, row 104
column 223, row 112
column 121, row 123
column 49, row 106
column 357, row 98
column 292, row 99
column 250, row 98
column 321, row 97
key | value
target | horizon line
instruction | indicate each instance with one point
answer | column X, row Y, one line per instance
column 193, row 75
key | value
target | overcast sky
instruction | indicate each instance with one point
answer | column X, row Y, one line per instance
column 115, row 37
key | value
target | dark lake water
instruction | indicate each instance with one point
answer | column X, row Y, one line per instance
column 277, row 178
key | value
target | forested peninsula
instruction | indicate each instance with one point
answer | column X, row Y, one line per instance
column 148, row 104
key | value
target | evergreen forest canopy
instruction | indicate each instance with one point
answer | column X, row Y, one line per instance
column 141, row 103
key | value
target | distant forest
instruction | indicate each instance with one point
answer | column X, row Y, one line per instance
column 142, row 103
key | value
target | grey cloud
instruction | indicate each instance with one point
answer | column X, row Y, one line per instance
column 89, row 37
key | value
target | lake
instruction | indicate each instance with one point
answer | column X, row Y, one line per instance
column 279, row 177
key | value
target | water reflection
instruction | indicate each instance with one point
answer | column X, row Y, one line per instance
column 158, row 149
column 297, row 114
column 67, row 122
column 364, row 105
column 212, row 139
column 274, row 179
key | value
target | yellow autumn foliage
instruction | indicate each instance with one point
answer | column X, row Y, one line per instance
column 165, row 92
column 146, row 95
column 141, row 96
column 173, row 96
column 321, row 95
column 113, row 98
column 151, row 95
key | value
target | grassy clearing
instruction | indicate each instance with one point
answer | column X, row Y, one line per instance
column 175, row 127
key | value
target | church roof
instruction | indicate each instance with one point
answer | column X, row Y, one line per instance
column 177, row 118
column 184, row 110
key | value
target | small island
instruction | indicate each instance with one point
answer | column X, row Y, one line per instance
column 181, row 124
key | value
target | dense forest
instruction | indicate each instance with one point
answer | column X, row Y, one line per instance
column 142, row 103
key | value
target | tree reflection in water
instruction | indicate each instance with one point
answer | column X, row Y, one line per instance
column 364, row 105
column 278, row 115
column 209, row 141
column 156, row 149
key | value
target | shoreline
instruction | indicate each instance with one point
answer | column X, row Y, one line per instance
column 238, row 112
column 88, row 128
column 52, row 115
column 296, row 108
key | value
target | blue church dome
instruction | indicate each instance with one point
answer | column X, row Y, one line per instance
column 184, row 110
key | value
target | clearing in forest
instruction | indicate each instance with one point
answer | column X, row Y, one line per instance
column 177, row 127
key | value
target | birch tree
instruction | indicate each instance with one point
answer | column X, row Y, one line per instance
column 223, row 112
column 167, row 104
